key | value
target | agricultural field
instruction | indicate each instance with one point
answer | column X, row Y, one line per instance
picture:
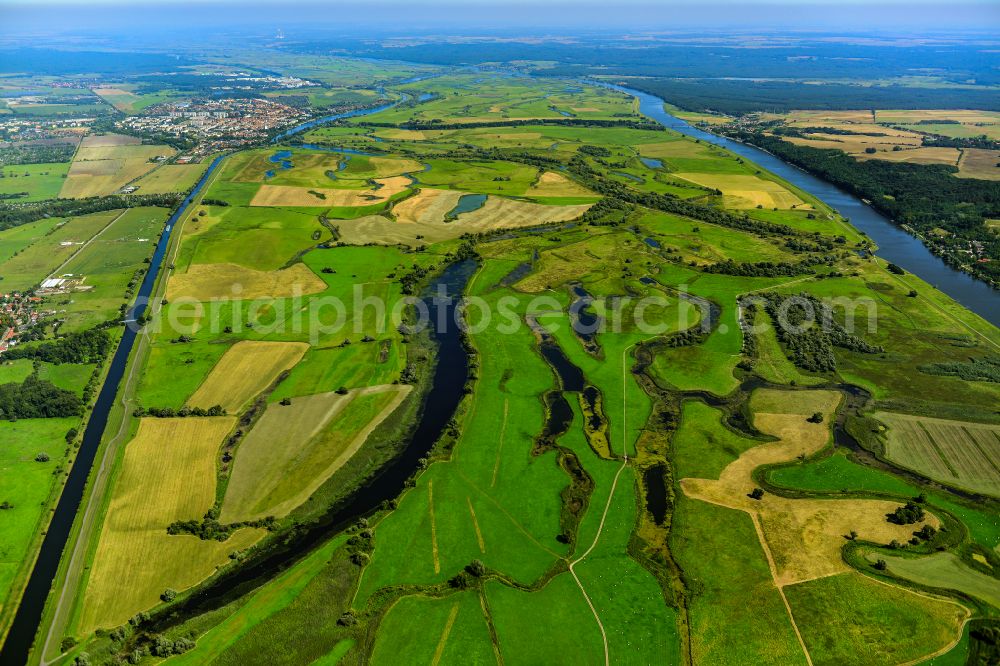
column 295, row 448
column 165, row 477
column 32, row 182
column 129, row 99
column 947, row 122
column 898, row 136
column 962, row 454
column 851, row 619
column 170, row 178
column 245, row 370
column 102, row 256
column 618, row 457
column 29, row 488
column 979, row 163
column 103, row 164
column 39, row 250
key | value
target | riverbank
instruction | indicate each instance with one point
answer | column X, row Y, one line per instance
column 894, row 243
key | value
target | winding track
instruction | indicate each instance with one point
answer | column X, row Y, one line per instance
column 607, row 507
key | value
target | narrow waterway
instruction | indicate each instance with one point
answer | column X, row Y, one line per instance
column 316, row 122
column 29, row 613
column 894, row 244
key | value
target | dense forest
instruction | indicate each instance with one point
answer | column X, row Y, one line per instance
column 36, row 398
column 737, row 98
column 809, row 57
column 922, row 196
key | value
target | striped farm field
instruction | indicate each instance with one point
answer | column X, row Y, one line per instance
column 429, row 205
column 745, row 190
column 979, row 163
column 103, row 164
column 168, row 474
column 171, row 178
column 496, row 213
column 295, row 448
column 246, row 369
column 959, row 453
column 288, row 195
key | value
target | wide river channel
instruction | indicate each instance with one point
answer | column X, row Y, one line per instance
column 894, row 244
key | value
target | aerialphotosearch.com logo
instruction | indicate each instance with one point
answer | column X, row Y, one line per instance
column 322, row 317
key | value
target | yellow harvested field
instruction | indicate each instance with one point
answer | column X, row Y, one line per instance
column 100, row 140
column 293, row 449
column 915, row 155
column 803, row 536
column 171, row 178
column 124, row 152
column 585, row 109
column 246, row 369
column 428, row 205
column 401, row 134
column 168, row 474
column 104, row 164
column 551, row 184
column 857, row 144
column 814, row 117
column 288, row 195
column 960, row 453
column 746, row 191
column 120, row 99
column 496, row 213
column 979, row 163
column 501, row 213
column 203, row 282
column 95, row 168
column 678, row 148
column 916, row 115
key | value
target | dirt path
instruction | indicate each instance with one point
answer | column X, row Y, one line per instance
column 607, row 507
column 781, row 590
column 503, row 431
column 475, row 524
column 443, row 641
column 434, row 541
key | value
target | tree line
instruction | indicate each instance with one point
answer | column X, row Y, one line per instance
column 13, row 215
column 923, row 196
column 90, row 346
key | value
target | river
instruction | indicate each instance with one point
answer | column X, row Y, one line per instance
column 451, row 371
column 894, row 244
column 29, row 613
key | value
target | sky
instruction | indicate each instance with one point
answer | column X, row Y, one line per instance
column 538, row 15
